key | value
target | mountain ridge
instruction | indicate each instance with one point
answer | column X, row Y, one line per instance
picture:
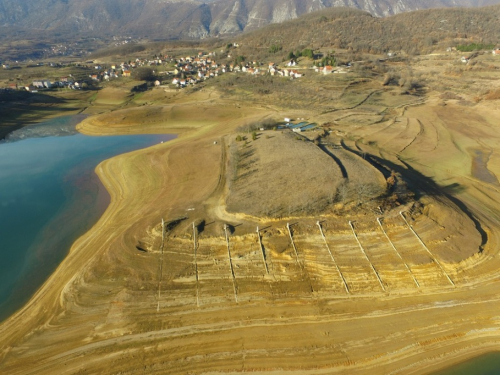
column 193, row 19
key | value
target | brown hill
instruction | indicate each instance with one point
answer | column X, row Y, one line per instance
column 414, row 32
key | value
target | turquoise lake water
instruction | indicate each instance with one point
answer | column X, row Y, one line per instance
column 49, row 196
column 487, row 364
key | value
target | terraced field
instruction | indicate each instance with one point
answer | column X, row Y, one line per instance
column 383, row 259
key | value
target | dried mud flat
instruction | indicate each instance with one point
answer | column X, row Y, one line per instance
column 330, row 293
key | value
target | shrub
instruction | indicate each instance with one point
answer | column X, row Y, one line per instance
column 275, row 48
column 144, row 74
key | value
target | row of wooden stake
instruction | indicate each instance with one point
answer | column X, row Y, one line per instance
column 264, row 258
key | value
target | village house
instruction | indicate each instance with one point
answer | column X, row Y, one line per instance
column 31, row 89
column 37, row 84
column 327, row 69
column 42, row 84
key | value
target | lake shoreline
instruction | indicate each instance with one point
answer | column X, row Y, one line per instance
column 72, row 196
column 49, row 300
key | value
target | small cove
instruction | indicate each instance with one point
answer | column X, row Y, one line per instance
column 49, row 196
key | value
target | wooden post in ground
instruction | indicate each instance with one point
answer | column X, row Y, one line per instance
column 196, row 266
column 161, row 261
column 331, row 256
column 194, row 237
column 426, row 249
column 262, row 250
column 397, row 252
column 366, row 256
column 293, row 243
column 231, row 265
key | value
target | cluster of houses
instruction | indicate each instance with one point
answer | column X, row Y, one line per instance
column 186, row 70
column 328, row 69
column 102, row 73
column 125, row 68
column 40, row 84
column 466, row 59
column 286, row 72
column 192, row 70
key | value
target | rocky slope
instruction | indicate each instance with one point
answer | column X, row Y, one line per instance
column 167, row 19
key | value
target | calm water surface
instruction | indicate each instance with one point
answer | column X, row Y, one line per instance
column 49, row 196
column 487, row 364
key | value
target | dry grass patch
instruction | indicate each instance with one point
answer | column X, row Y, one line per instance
column 112, row 95
column 159, row 119
column 492, row 95
column 280, row 174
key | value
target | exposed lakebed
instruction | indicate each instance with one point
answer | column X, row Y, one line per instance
column 49, row 196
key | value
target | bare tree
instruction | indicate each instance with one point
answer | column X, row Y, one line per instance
column 344, row 191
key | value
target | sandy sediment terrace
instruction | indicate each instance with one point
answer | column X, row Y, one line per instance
column 406, row 294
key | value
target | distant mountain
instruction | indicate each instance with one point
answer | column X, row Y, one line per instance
column 174, row 19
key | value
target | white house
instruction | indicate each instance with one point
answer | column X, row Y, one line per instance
column 327, row 69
